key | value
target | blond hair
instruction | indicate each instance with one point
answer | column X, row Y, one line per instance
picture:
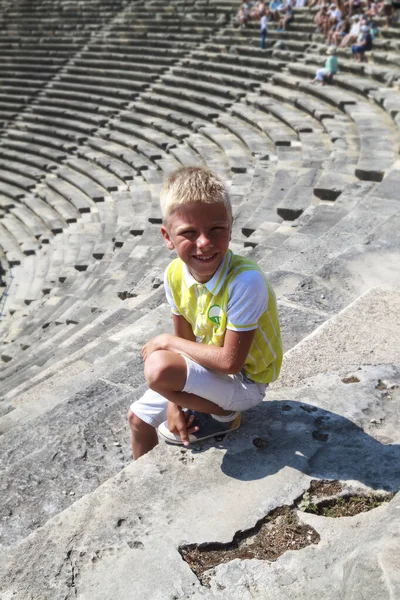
column 192, row 184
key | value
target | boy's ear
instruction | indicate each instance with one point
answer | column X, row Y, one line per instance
column 167, row 238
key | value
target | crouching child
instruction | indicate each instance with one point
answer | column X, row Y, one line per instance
column 226, row 348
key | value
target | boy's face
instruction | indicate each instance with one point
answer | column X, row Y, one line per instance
column 200, row 233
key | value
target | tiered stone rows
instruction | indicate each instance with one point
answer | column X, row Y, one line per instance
column 107, row 100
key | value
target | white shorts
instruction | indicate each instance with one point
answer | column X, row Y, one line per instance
column 230, row 392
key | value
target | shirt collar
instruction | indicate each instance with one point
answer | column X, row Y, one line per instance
column 215, row 283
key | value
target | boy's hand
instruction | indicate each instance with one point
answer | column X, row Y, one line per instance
column 180, row 423
column 160, row 342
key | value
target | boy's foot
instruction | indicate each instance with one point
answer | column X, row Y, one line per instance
column 208, row 426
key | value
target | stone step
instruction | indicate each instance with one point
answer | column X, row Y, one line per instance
column 187, row 78
column 189, row 97
column 96, row 70
column 122, row 172
column 41, row 110
column 235, row 151
column 148, row 149
column 345, row 234
column 212, row 154
column 278, row 133
column 103, row 179
column 258, row 144
column 85, row 98
column 63, row 183
column 373, row 165
column 214, row 65
column 27, row 241
column 292, row 118
column 116, row 149
column 334, row 411
column 68, row 211
column 136, row 130
column 33, row 223
column 157, row 119
column 29, row 156
column 72, row 345
column 46, row 141
column 10, row 246
column 106, row 91
column 16, row 185
column 39, row 123
column 273, row 250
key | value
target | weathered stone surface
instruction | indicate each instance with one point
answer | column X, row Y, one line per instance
column 357, row 559
column 390, row 186
column 331, row 185
column 142, row 516
column 297, row 322
column 316, row 220
column 294, row 203
column 366, row 325
column 65, row 453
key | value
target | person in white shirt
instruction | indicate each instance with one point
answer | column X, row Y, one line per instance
column 334, row 18
column 353, row 34
column 263, row 29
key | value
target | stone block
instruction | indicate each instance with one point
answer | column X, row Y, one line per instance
column 296, row 201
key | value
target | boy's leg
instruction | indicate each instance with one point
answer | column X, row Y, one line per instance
column 166, row 373
column 216, row 399
column 144, row 436
column 144, row 416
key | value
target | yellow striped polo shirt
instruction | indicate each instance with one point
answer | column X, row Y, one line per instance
column 238, row 297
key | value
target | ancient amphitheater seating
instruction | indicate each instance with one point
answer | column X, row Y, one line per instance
column 99, row 102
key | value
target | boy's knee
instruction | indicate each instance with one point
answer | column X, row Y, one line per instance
column 135, row 423
column 155, row 369
column 165, row 369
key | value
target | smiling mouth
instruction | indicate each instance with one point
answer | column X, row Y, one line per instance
column 204, row 258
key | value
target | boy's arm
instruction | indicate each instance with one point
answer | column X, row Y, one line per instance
column 244, row 307
column 228, row 359
column 183, row 328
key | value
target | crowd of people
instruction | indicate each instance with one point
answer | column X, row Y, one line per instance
column 334, row 13
column 344, row 23
column 350, row 24
column 280, row 12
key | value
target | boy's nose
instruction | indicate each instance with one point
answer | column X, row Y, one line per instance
column 203, row 241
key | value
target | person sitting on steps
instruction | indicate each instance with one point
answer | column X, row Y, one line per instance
column 227, row 347
column 330, row 69
column 363, row 45
column 336, row 36
column 353, row 34
column 273, row 10
column 287, row 16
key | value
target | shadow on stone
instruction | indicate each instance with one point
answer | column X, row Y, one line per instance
column 315, row 441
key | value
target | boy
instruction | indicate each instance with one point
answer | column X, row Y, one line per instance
column 217, row 298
